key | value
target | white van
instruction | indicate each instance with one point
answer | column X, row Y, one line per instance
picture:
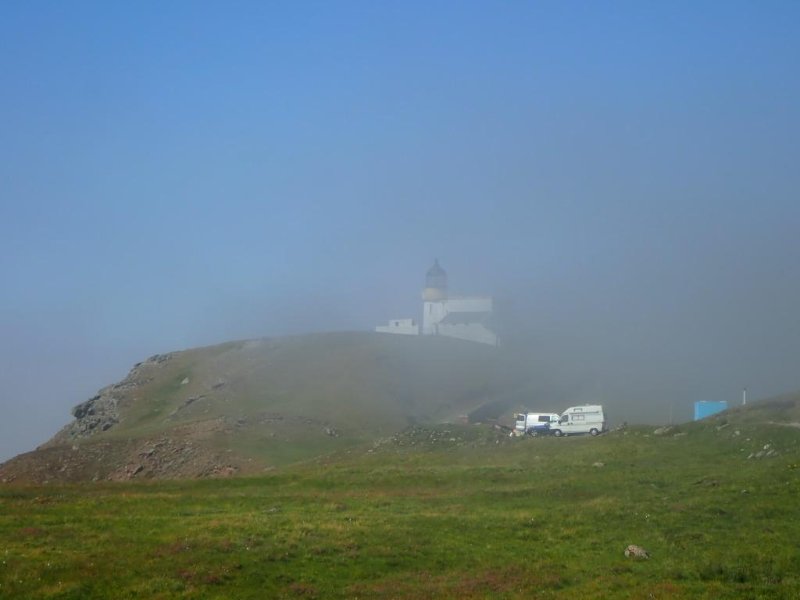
column 535, row 423
column 580, row 419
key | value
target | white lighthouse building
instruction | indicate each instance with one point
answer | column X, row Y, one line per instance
column 464, row 317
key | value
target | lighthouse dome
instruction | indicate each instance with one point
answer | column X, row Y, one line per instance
column 436, row 277
column 435, row 283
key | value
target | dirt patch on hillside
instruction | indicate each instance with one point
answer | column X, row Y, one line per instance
column 185, row 452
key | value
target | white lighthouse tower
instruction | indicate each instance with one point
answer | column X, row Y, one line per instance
column 434, row 299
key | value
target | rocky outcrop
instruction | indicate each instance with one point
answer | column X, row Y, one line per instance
column 96, row 414
column 101, row 412
column 766, row 452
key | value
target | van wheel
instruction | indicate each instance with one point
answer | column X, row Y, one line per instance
column 557, row 433
column 593, row 431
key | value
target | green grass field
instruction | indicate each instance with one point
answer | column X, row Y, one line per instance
column 443, row 512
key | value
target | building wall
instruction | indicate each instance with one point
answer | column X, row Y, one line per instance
column 468, row 304
column 472, row 332
column 432, row 313
column 399, row 326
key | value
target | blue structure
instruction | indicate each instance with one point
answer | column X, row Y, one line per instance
column 703, row 408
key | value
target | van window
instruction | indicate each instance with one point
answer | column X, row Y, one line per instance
column 544, row 419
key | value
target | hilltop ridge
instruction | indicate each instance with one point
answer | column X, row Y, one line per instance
column 247, row 406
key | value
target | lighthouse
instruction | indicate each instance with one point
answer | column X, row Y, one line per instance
column 464, row 317
column 434, row 299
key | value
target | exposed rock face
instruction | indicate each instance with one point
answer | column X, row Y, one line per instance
column 96, row 414
column 101, row 412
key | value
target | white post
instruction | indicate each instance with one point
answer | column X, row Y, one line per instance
column 744, row 396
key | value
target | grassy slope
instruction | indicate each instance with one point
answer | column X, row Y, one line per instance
column 445, row 512
column 355, row 381
column 268, row 402
column 363, row 385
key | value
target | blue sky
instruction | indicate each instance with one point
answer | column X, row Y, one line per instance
column 623, row 175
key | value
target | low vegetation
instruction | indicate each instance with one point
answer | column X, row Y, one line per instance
column 436, row 512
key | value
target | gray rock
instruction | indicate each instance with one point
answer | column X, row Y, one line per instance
column 634, row 551
column 100, row 413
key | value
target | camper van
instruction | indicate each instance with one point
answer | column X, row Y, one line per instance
column 535, row 423
column 580, row 419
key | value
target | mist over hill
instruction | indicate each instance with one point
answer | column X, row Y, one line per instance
column 241, row 407
column 246, row 406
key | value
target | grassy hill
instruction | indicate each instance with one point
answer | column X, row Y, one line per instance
column 383, row 491
column 444, row 511
column 243, row 407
